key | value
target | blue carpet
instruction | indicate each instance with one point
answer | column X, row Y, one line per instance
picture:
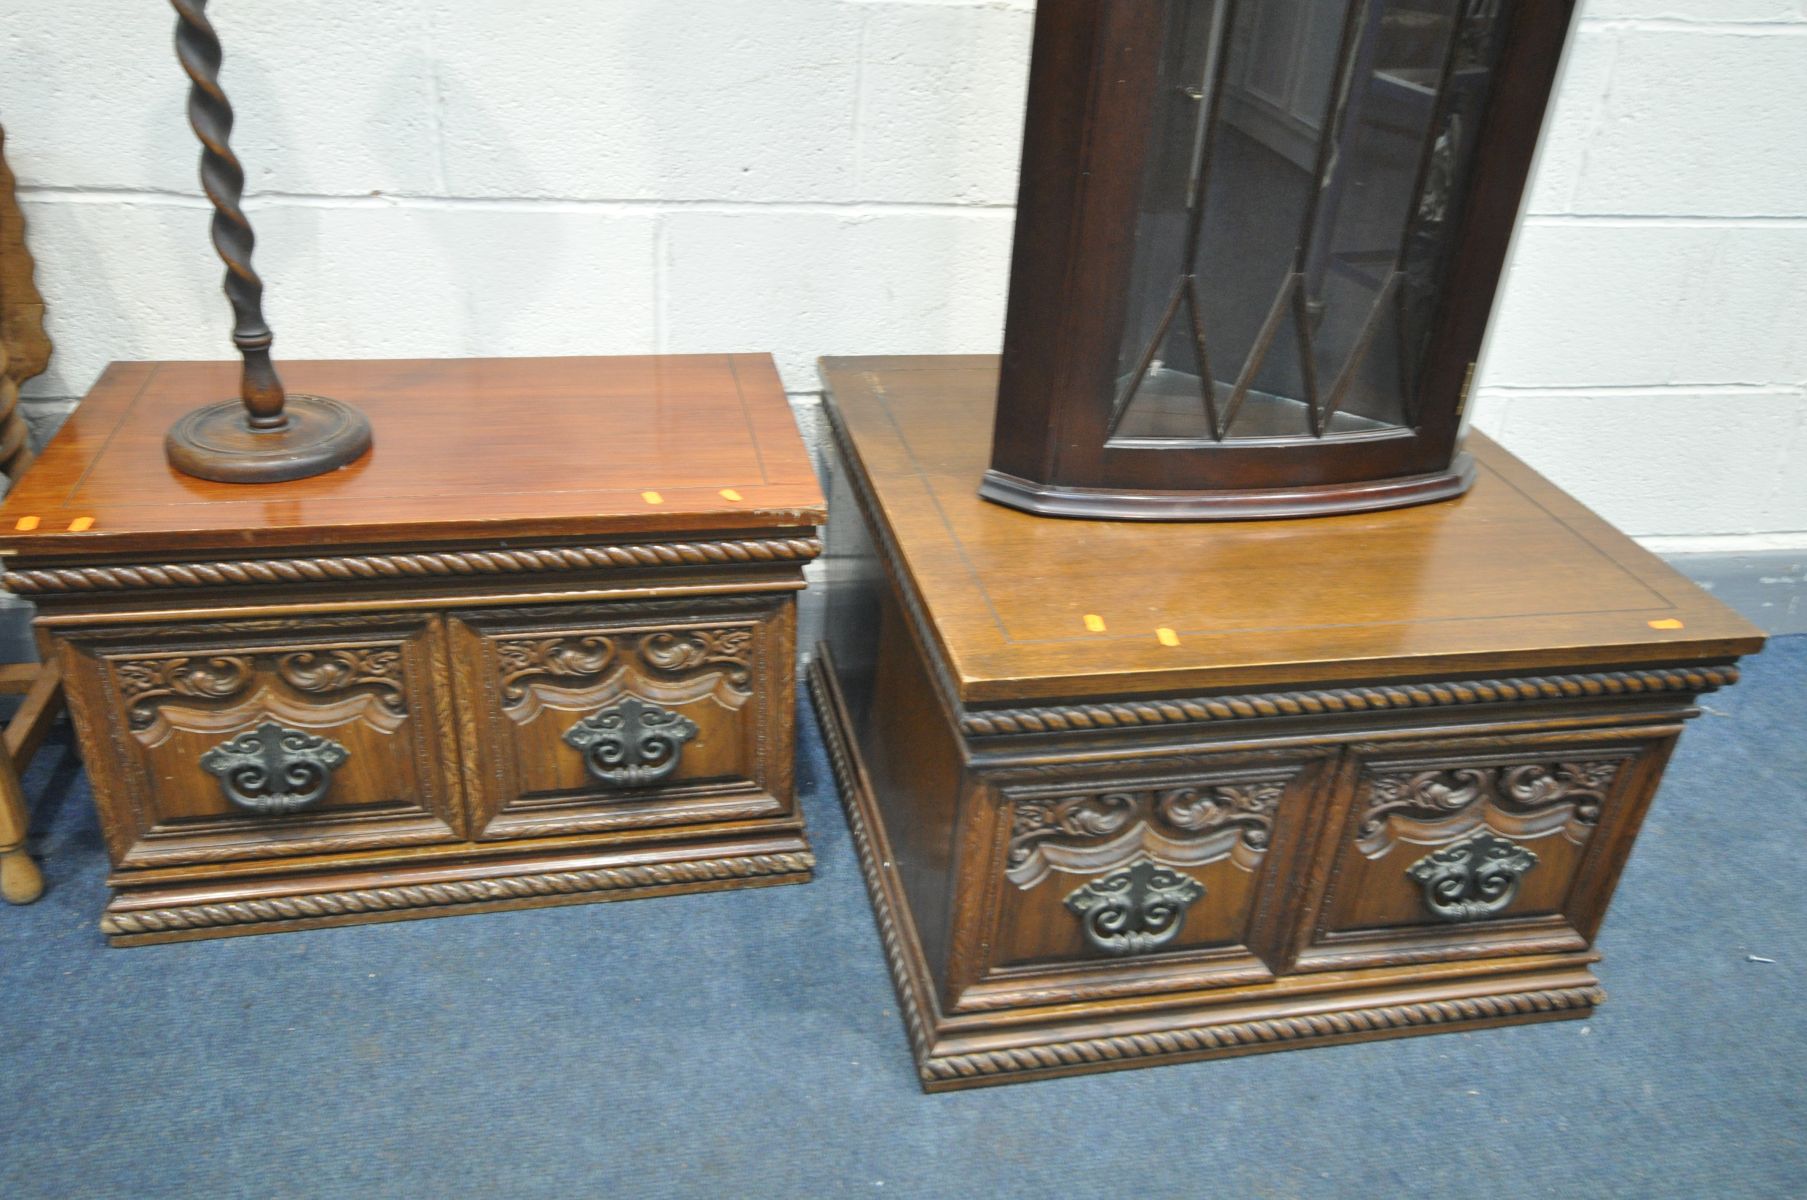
column 748, row 1044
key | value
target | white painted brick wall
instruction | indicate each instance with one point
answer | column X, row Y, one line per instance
column 447, row 177
column 1650, row 349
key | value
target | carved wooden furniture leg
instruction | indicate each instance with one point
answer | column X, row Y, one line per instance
column 20, row 880
column 42, row 686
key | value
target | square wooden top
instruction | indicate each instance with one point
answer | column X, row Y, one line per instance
column 475, row 449
column 1514, row 578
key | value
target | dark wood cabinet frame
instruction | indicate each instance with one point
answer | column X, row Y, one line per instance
column 1086, row 139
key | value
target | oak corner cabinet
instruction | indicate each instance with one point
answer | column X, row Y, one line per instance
column 1131, row 793
column 535, row 648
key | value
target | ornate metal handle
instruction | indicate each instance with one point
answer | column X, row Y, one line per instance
column 1473, row 878
column 1136, row 910
column 274, row 770
column 631, row 743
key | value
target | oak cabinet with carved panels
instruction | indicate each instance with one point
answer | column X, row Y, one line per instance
column 538, row 648
column 1172, row 867
column 1464, row 849
column 195, row 713
column 1132, row 793
column 612, row 717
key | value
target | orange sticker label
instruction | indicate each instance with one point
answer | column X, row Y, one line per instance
column 652, row 497
column 81, row 524
column 1094, row 622
column 26, row 524
column 731, row 494
column 1667, row 623
column 1167, row 636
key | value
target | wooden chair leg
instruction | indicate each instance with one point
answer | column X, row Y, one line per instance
column 32, row 720
column 20, row 880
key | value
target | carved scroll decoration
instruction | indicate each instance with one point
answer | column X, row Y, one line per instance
column 148, row 682
column 325, row 672
column 145, row 681
column 680, row 654
column 526, row 659
column 1184, row 825
column 225, row 691
column 1137, row 910
column 1519, row 800
column 665, row 666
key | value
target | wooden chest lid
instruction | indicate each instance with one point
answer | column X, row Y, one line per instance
column 1516, row 578
column 473, row 449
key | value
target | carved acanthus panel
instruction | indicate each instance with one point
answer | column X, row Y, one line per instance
column 221, row 690
column 147, row 681
column 329, row 672
column 582, row 670
column 524, row 660
column 1524, row 800
column 681, row 655
column 1189, row 824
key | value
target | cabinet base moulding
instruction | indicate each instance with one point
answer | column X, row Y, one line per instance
column 178, row 913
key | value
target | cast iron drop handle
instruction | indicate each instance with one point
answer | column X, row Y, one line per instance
column 1472, row 879
column 631, row 743
column 1137, row 910
column 274, row 770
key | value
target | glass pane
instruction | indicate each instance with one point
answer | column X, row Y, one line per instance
column 1307, row 159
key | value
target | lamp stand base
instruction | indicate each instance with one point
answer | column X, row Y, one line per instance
column 218, row 443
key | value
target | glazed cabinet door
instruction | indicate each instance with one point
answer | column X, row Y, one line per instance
column 1094, row 881
column 593, row 718
column 248, row 739
column 1469, row 848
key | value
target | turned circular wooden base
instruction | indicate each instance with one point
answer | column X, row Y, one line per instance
column 218, row 443
column 20, row 880
column 1255, row 504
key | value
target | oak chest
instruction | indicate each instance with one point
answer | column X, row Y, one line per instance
column 535, row 648
column 1138, row 793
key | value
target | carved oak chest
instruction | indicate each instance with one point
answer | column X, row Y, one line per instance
column 536, row 648
column 1139, row 793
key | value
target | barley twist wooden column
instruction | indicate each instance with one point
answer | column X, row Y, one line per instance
column 266, row 436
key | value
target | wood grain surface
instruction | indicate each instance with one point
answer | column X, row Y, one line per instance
column 471, row 448
column 1515, row 577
